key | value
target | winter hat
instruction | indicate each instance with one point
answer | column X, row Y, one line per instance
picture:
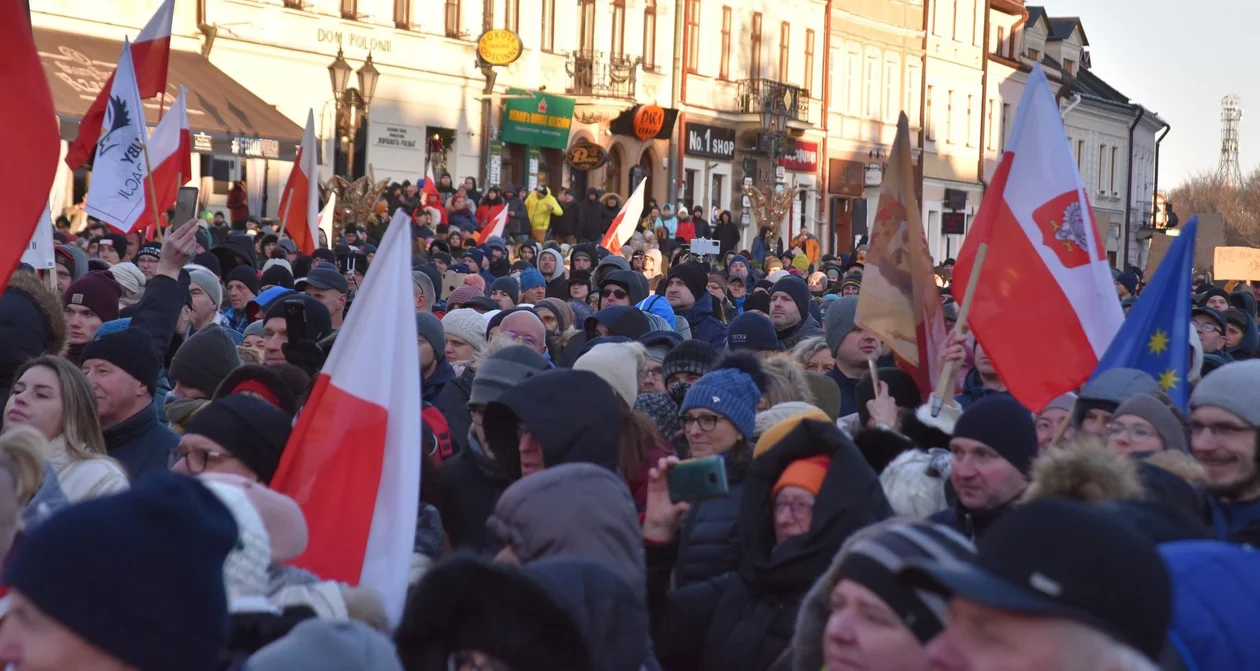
column 280, row 385
column 429, row 327
column 854, row 281
column 806, row 473
column 281, row 516
column 138, row 574
column 318, row 322
column 841, row 320
column 901, row 387
column 150, row 249
column 97, row 291
column 245, row 571
column 531, row 278
column 1004, row 425
column 618, row 365
column 695, row 357
column 131, row 349
column 283, row 263
column 467, row 325
column 776, row 276
column 207, row 280
column 204, row 360
column 319, row 644
column 659, row 343
column 252, row 429
column 1166, row 424
column 462, row 295
column 752, row 331
column 825, row 392
column 758, row 301
column 732, row 391
column 691, row 274
column 1111, row 388
column 580, row 277
column 1063, row 401
column 1129, row 281
column 503, row 370
column 324, row 276
column 277, row 274
column 130, row 279
column 778, row 421
column 737, row 259
column 559, row 308
column 509, row 286
column 245, row 275
column 255, row 328
column 1233, row 388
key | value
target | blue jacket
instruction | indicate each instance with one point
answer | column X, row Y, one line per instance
column 1216, row 605
column 974, row 390
column 432, row 386
column 141, row 443
column 235, row 321
column 848, row 391
column 464, row 219
column 1235, row 522
column 704, row 326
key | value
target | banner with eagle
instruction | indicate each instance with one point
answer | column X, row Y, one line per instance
column 120, row 175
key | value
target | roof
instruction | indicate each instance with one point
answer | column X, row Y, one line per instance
column 1035, row 13
column 224, row 116
column 1061, row 28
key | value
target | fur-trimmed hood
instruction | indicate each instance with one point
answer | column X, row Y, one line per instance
column 31, row 324
column 1085, row 471
column 49, row 303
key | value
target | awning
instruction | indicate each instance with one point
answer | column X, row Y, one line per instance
column 225, row 117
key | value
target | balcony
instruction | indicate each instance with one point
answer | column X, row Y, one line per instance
column 602, row 75
column 755, row 95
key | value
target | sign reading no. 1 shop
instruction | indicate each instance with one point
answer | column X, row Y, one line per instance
column 537, row 120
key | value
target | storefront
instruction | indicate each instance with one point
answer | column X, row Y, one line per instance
column 709, row 153
column 800, row 166
column 534, row 136
column 846, row 218
column 948, row 210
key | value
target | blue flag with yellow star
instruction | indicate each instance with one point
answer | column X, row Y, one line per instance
column 1155, row 336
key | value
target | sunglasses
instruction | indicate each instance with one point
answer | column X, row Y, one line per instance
column 613, row 293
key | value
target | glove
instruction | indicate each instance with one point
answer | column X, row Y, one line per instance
column 304, row 354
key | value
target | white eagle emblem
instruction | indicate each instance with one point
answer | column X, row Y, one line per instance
column 1072, row 230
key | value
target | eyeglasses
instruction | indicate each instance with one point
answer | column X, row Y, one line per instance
column 1136, row 432
column 799, row 508
column 1220, row 429
column 705, row 422
column 521, row 338
column 613, row 293
column 196, row 457
column 1206, row 327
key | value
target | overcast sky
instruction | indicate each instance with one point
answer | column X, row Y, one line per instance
column 1178, row 58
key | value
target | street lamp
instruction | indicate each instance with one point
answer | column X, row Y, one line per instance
column 352, row 104
column 774, row 118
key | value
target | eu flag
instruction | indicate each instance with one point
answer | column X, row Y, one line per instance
column 1155, row 337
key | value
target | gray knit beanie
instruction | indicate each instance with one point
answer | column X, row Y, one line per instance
column 1166, row 424
column 1234, row 387
column 503, row 370
column 429, row 327
column 206, row 279
column 841, row 319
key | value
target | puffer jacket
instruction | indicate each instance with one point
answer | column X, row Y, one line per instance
column 536, row 210
column 474, row 483
column 708, row 541
column 704, row 326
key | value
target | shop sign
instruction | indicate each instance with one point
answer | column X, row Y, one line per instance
column 398, row 137
column 499, row 47
column 846, row 178
column 586, row 155
column 357, row 40
column 874, row 174
column 710, row 141
column 803, row 159
column 255, row 147
column 648, row 120
column 202, row 142
column 539, row 120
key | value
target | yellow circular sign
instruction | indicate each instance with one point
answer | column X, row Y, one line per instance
column 499, row 47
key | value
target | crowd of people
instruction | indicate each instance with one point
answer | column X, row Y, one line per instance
column 151, row 395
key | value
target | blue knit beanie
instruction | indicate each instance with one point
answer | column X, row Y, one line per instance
column 531, row 278
column 732, row 391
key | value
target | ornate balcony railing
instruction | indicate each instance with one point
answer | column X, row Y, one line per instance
column 755, row 95
column 596, row 73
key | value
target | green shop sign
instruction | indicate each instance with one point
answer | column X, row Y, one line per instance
column 541, row 120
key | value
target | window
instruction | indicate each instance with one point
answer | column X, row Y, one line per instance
column 754, row 62
column 693, row 35
column 998, row 48
column 1102, row 156
column 1034, row 55
column 452, row 18
column 971, row 135
column 649, row 35
column 1006, row 115
column 988, row 125
column 892, row 87
column 402, row 14
column 930, row 121
column 1080, row 155
column 785, row 50
column 548, row 25
column 1069, row 66
column 949, row 118
column 853, row 82
column 872, row 86
column 834, row 90
column 350, row 9
column 618, row 27
column 809, row 62
column 724, row 68
column 512, row 15
column 1114, row 155
column 587, row 27
column 912, row 94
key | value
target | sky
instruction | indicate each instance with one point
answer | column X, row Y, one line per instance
column 1178, row 58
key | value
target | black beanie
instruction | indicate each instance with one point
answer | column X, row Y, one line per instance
column 797, row 289
column 509, row 286
column 752, row 331
column 901, row 387
column 277, row 276
column 252, row 429
column 131, row 349
column 1004, row 425
column 245, row 275
column 205, row 359
column 759, row 301
column 693, row 275
column 696, row 357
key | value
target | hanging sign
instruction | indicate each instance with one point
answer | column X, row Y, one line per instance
column 648, row 120
column 499, row 47
column 586, row 155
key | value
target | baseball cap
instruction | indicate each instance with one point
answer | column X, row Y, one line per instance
column 1060, row 558
column 324, row 277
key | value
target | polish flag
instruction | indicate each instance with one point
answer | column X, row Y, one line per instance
column 495, row 227
column 1045, row 307
column 623, row 225
column 299, row 206
column 150, row 55
column 353, row 460
column 170, row 154
column 32, row 143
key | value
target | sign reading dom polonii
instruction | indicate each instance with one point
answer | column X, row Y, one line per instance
column 710, row 141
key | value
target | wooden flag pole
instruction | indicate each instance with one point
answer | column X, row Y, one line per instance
column 874, row 375
column 1067, row 421
column 945, row 384
column 157, row 221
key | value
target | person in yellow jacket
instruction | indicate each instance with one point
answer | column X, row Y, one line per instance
column 540, row 206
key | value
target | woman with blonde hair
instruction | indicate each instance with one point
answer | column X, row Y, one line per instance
column 21, row 474
column 814, row 355
column 52, row 395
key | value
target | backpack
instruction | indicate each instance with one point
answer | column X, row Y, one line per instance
column 435, row 434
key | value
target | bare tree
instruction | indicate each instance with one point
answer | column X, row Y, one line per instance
column 1240, row 207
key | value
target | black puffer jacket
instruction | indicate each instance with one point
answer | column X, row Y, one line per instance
column 452, row 401
column 708, row 542
column 474, row 484
column 744, row 619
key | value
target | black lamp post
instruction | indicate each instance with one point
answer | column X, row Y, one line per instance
column 774, row 120
column 353, row 104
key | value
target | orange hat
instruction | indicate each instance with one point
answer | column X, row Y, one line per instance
column 807, row 474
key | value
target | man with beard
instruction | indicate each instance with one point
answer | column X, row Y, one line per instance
column 851, row 346
column 789, row 310
column 1224, row 415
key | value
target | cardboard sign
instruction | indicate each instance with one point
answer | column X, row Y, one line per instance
column 451, row 280
column 1159, row 247
column 1236, row 263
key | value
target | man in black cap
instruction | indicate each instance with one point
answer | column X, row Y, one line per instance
column 789, row 311
column 753, row 332
column 687, row 292
column 122, row 368
column 276, row 345
column 329, row 287
column 993, row 446
column 1055, row 585
column 1211, row 326
column 239, row 434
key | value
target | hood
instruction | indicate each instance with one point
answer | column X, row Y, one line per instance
column 621, row 320
column 634, row 283
column 236, row 245
column 657, row 305
column 559, row 271
column 588, row 248
column 851, row 498
column 1246, row 348
column 546, row 404
column 1244, row 300
column 1085, row 471
column 31, row 324
column 612, row 617
column 574, row 510
column 1117, row 384
column 1216, row 604
column 592, row 191
column 78, row 258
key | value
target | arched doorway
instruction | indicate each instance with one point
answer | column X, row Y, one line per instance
column 647, row 167
column 612, row 171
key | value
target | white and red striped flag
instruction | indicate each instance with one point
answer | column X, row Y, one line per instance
column 299, row 204
column 119, row 191
column 1045, row 307
column 494, row 227
column 623, row 225
column 353, row 460
column 150, row 56
column 170, row 155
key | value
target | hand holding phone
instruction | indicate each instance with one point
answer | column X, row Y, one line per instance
column 694, row 480
column 185, row 206
column 295, row 320
column 662, row 515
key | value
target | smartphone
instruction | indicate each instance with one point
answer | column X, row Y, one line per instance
column 695, row 480
column 295, row 319
column 185, row 206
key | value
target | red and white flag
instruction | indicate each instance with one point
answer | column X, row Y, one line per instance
column 32, row 141
column 170, row 156
column 623, row 225
column 494, row 227
column 119, row 192
column 1045, row 307
column 353, row 460
column 150, row 54
column 299, row 205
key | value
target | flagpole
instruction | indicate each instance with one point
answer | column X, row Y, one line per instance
column 1068, row 420
column 162, row 105
column 944, row 385
column 157, row 221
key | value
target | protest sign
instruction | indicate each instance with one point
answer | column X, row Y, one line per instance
column 1236, row 263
